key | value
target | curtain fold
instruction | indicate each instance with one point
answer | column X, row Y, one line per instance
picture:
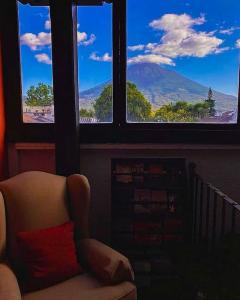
column 2, row 124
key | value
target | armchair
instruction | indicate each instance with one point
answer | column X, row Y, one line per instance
column 37, row 200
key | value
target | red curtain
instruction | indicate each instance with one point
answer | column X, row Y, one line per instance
column 2, row 124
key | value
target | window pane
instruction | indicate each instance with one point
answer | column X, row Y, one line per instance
column 95, row 63
column 36, row 64
column 183, row 61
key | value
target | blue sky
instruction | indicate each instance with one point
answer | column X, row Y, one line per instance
column 196, row 38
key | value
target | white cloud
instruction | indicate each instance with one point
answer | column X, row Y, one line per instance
column 82, row 38
column 170, row 22
column 151, row 58
column 105, row 58
column 181, row 39
column 238, row 43
column 151, row 46
column 40, row 40
column 36, row 41
column 90, row 41
column 43, row 58
column 136, row 48
column 47, row 25
column 221, row 50
column 229, row 31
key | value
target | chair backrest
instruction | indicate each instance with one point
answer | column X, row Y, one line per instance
column 35, row 200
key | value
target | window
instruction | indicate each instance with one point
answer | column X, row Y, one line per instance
column 183, row 59
column 36, row 64
column 95, row 63
column 148, row 71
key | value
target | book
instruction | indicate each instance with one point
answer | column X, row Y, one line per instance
column 156, row 169
column 158, row 208
column 172, row 197
column 138, row 179
column 124, row 178
column 147, row 232
column 142, row 195
column 142, row 209
column 138, row 168
column 159, row 196
column 123, row 168
column 173, row 225
column 163, row 266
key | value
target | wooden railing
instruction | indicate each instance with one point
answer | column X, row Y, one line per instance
column 214, row 214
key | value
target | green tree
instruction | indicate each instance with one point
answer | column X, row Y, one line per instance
column 180, row 112
column 181, row 105
column 86, row 113
column 211, row 103
column 200, row 110
column 103, row 105
column 41, row 95
column 138, row 107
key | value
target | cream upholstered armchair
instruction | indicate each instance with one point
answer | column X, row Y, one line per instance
column 36, row 200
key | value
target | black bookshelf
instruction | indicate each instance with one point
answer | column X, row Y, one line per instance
column 149, row 212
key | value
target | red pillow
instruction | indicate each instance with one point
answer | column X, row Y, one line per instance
column 49, row 256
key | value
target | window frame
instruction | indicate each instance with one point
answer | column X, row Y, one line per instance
column 119, row 131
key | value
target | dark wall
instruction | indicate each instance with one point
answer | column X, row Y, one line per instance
column 219, row 165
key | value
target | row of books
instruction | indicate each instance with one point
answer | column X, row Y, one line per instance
column 165, row 179
column 162, row 265
column 151, row 240
column 156, row 208
column 154, row 270
column 139, row 168
column 146, row 195
column 152, row 168
column 166, row 225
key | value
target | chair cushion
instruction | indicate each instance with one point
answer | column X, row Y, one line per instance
column 49, row 255
column 84, row 287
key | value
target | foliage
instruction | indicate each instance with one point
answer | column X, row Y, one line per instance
column 211, row 103
column 182, row 111
column 86, row 113
column 40, row 95
column 200, row 110
column 103, row 105
column 168, row 113
column 138, row 107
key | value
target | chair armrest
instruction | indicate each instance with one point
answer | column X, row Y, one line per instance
column 108, row 265
column 9, row 288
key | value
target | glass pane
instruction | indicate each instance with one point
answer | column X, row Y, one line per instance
column 36, row 64
column 95, row 63
column 183, row 61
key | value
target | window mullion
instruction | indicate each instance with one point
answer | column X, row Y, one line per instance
column 65, row 86
column 119, row 62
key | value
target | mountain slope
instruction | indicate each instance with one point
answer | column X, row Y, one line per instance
column 161, row 86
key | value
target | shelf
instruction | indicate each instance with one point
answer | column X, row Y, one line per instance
column 134, row 202
column 149, row 216
column 141, row 223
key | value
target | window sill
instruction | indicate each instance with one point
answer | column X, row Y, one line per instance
column 140, row 146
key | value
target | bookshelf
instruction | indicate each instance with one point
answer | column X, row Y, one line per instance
column 149, row 209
